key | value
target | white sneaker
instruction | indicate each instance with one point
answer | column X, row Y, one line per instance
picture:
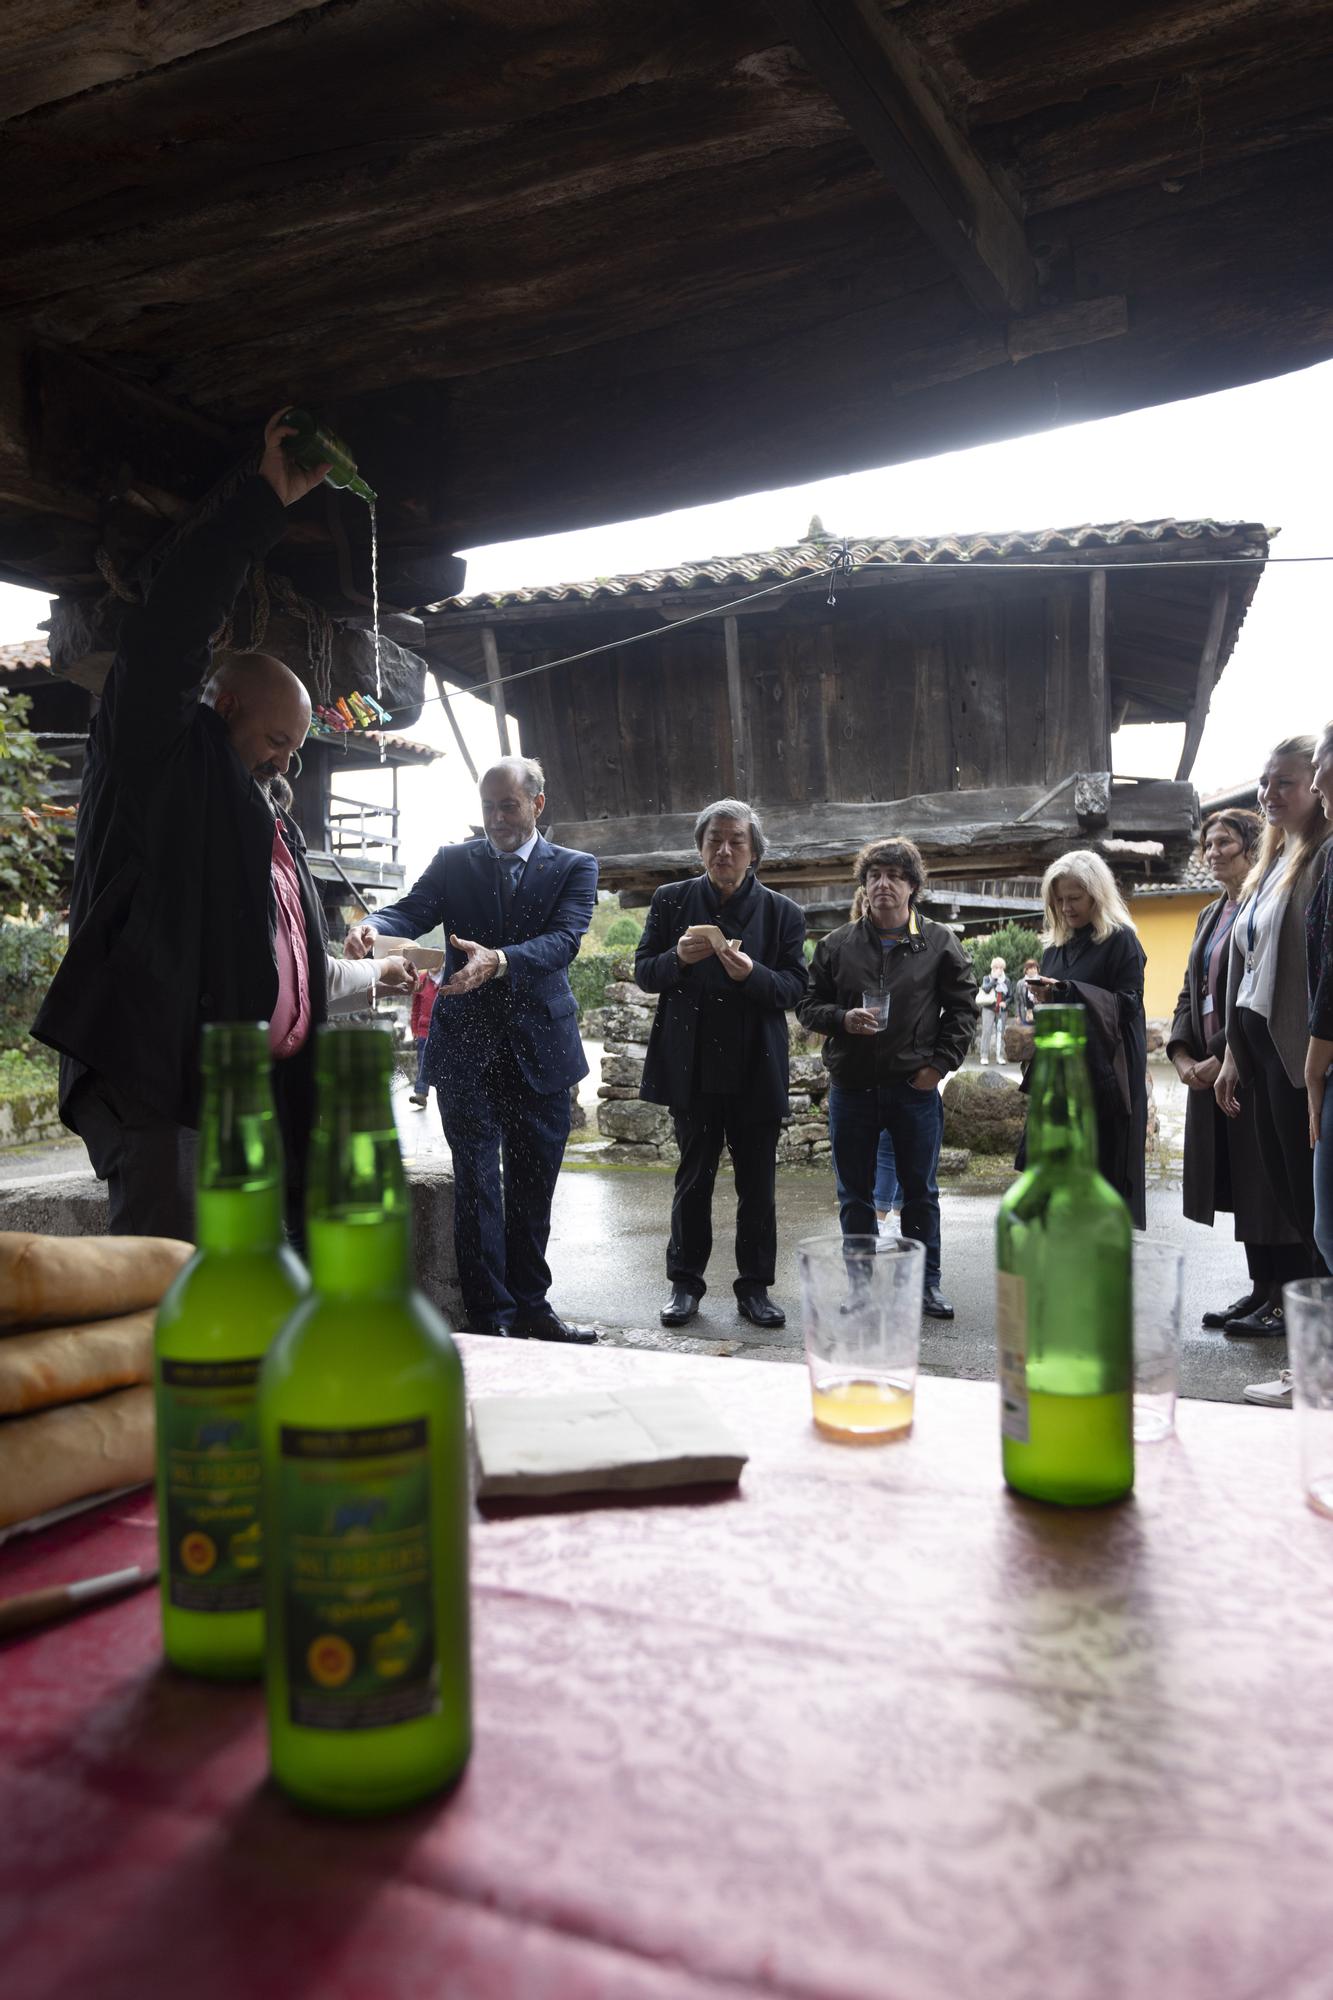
column 888, row 1225
column 984, row 1061
column 1275, row 1395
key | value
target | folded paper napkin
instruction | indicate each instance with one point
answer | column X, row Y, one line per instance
column 600, row 1440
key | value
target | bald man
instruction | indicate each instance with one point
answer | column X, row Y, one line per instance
column 192, row 901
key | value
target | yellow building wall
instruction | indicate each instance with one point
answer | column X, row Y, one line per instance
column 1165, row 925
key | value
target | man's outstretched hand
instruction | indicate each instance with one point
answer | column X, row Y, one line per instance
column 291, row 482
column 360, row 941
column 482, row 964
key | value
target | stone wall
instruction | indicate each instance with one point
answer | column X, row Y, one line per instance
column 74, row 1204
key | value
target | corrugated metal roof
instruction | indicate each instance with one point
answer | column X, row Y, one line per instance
column 812, row 558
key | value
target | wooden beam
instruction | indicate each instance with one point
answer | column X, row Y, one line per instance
column 897, row 110
column 488, row 647
column 1203, row 695
column 740, row 763
column 447, row 705
column 1099, row 739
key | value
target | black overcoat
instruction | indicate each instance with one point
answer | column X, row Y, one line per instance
column 173, row 920
column 1223, row 1170
column 771, row 929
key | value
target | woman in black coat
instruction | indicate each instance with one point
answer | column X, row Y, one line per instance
column 1223, row 1168
column 1093, row 959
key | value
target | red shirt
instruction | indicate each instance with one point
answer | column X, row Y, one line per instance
column 291, row 1016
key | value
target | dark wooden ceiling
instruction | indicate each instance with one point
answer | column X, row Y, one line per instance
column 551, row 262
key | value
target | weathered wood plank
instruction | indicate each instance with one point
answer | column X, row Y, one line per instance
column 1099, row 736
column 494, row 670
column 740, row 762
column 898, row 111
column 1217, row 619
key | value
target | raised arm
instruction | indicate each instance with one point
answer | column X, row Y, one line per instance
column 164, row 655
column 425, row 904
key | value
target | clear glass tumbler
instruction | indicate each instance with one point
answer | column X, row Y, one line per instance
column 861, row 1315
column 1309, row 1313
column 877, row 999
column 1158, row 1303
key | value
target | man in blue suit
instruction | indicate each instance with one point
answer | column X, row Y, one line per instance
column 504, row 1046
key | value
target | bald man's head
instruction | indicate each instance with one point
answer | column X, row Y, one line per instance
column 265, row 708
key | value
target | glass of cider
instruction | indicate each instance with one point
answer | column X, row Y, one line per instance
column 861, row 1316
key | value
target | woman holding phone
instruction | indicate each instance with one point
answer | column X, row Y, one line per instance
column 1093, row 959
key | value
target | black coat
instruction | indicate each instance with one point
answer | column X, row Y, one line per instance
column 932, row 1011
column 1223, row 1169
column 173, row 920
column 1106, row 979
column 771, row 929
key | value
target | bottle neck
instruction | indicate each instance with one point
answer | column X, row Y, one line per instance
column 1062, row 1120
column 359, row 1223
column 238, row 1203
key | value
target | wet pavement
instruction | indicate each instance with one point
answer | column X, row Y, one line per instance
column 609, row 1231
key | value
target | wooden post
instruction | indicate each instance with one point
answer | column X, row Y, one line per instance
column 1203, row 692
column 739, row 762
column 1099, row 738
column 488, row 648
column 459, row 738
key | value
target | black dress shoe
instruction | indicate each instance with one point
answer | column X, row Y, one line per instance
column 545, row 1326
column 680, row 1308
column 1236, row 1310
column 493, row 1326
column 934, row 1304
column 1268, row 1321
column 759, row 1309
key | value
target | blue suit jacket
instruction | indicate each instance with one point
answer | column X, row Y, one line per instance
column 532, row 1007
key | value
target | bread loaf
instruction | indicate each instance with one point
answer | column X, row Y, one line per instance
column 66, row 1454
column 59, row 1280
column 64, row 1364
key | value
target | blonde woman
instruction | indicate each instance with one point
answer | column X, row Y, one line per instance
column 1093, row 959
column 1268, row 1004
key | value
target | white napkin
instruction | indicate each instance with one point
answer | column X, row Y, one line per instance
column 600, row 1440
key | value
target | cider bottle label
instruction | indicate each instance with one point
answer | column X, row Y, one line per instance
column 208, row 1415
column 1011, row 1339
column 357, row 1576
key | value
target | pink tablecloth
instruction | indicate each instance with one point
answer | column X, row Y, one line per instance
column 870, row 1728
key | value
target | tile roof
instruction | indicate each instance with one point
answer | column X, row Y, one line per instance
column 22, row 656
column 811, row 558
column 1195, row 878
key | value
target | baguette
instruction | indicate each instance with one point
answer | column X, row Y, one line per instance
column 61, row 1280
column 62, row 1455
column 67, row 1364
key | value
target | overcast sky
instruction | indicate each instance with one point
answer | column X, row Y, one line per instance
column 1256, row 454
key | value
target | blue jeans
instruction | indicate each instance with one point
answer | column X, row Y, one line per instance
column 914, row 1121
column 888, row 1192
column 1323, row 1180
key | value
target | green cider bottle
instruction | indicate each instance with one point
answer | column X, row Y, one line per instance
column 213, row 1327
column 1064, row 1323
column 313, row 443
column 364, row 1441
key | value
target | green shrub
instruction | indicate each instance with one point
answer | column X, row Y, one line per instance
column 590, row 975
column 27, row 1076
column 1013, row 943
column 623, row 934
column 29, row 955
